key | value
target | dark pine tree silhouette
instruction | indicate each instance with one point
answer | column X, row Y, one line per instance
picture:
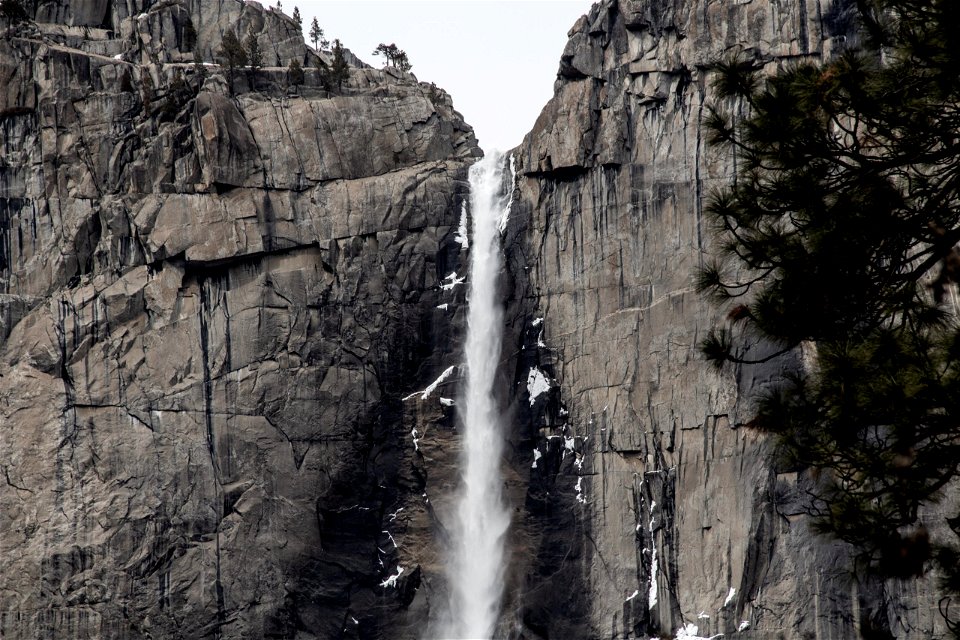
column 13, row 12
column 839, row 234
column 316, row 33
column 232, row 54
column 395, row 57
column 254, row 55
column 339, row 70
column 295, row 73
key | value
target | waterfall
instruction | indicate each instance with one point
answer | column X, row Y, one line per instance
column 475, row 568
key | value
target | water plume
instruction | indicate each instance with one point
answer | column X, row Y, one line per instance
column 475, row 568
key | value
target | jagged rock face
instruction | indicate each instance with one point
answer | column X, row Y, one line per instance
column 156, row 29
column 212, row 308
column 653, row 506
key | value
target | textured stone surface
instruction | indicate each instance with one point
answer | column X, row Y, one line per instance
column 219, row 316
column 211, row 309
column 652, row 506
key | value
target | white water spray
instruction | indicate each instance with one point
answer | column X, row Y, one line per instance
column 475, row 570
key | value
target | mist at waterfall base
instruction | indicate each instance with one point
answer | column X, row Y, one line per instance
column 475, row 567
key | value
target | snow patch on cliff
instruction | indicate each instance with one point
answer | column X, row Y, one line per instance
column 730, row 595
column 690, row 631
column 537, row 384
column 452, row 280
column 392, row 580
column 390, row 535
column 433, row 385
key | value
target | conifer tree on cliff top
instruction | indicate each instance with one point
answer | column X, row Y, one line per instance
column 395, row 56
column 295, row 75
column 840, row 233
column 233, row 54
column 254, row 53
column 316, row 33
column 339, row 70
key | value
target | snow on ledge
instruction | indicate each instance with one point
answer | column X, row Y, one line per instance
column 454, row 280
column 537, row 384
column 433, row 385
column 689, row 631
column 392, row 541
column 392, row 580
column 730, row 595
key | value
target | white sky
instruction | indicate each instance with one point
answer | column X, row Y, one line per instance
column 497, row 58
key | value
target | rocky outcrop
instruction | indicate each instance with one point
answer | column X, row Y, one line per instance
column 211, row 309
column 652, row 507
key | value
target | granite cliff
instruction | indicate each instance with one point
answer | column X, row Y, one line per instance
column 212, row 307
column 649, row 494
column 230, row 329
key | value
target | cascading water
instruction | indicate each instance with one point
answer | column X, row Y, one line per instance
column 475, row 568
